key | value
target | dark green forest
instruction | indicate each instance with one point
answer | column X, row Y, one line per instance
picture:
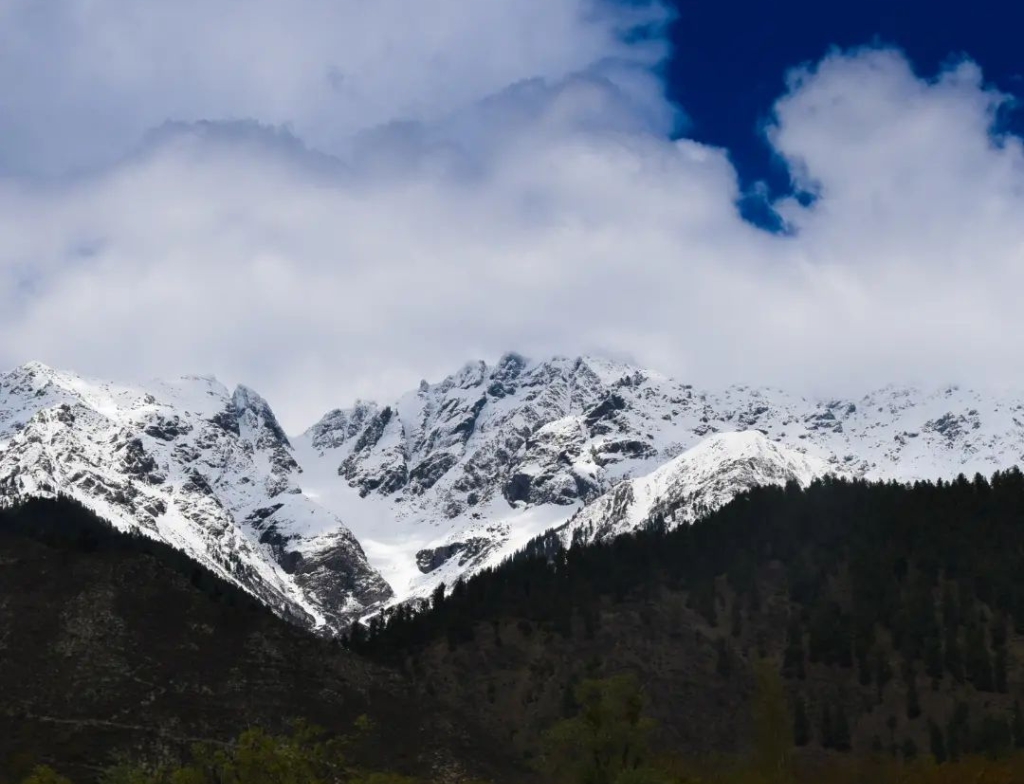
column 849, row 631
column 875, row 586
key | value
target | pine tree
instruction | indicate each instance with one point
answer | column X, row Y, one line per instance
column 909, row 750
column 863, row 669
column 723, row 665
column 891, row 723
column 950, row 608
column 933, row 661
column 827, row 732
column 1018, row 725
column 993, row 737
column 801, row 725
column 437, row 597
column 841, row 730
column 793, row 656
column 958, row 732
column 773, row 740
column 953, row 656
column 1000, row 666
column 913, row 705
column 976, row 659
column 883, row 673
column 937, row 742
column 999, row 630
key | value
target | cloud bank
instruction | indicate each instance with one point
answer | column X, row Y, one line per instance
column 81, row 81
column 457, row 206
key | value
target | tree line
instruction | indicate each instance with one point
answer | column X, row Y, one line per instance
column 914, row 588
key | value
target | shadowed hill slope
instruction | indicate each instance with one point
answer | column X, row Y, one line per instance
column 894, row 613
column 114, row 644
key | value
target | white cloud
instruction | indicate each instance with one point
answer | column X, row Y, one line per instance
column 80, row 81
column 549, row 215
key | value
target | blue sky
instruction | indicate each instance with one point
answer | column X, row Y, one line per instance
column 327, row 199
column 730, row 58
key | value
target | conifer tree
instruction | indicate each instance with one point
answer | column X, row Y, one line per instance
column 801, row 725
column 958, row 732
column 827, row 733
column 913, row 705
column 841, row 730
column 773, row 739
column 954, row 659
column 883, row 673
column 1018, row 725
column 909, row 750
column 994, row 737
column 999, row 674
column 723, row 665
column 978, row 663
column 933, row 659
column 793, row 655
column 937, row 742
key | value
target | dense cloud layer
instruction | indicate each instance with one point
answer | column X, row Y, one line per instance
column 82, row 81
column 535, row 203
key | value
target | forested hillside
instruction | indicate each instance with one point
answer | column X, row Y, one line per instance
column 114, row 645
column 893, row 613
column 874, row 625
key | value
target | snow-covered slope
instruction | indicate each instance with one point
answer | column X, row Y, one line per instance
column 382, row 501
column 698, row 482
column 455, row 476
column 205, row 470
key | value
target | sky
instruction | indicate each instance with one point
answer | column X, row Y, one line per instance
column 329, row 199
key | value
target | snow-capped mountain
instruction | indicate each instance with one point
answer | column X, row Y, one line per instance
column 696, row 483
column 383, row 501
column 455, row 476
column 190, row 463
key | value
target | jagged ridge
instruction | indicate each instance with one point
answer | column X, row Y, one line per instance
column 382, row 502
column 207, row 471
column 455, row 476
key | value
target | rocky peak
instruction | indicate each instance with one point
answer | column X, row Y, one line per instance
column 695, row 483
column 337, row 427
column 471, row 375
column 258, row 418
column 455, row 476
column 184, row 461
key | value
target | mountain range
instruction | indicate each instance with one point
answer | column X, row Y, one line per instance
column 381, row 502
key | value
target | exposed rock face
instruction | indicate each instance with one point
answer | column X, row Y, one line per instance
column 512, row 430
column 496, row 454
column 208, row 471
column 429, row 560
column 383, row 502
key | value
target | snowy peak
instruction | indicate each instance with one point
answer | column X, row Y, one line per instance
column 208, row 471
column 254, row 414
column 448, row 442
column 748, row 451
column 695, row 483
column 338, row 426
column 384, row 500
column 455, row 475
